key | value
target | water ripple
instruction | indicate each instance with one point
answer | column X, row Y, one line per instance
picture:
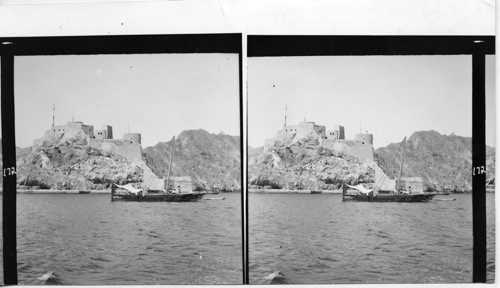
column 299, row 239
column 88, row 240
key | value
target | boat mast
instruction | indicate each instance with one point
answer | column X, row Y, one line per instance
column 285, row 113
column 401, row 166
column 53, row 115
column 170, row 161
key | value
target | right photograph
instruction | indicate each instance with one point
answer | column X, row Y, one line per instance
column 359, row 168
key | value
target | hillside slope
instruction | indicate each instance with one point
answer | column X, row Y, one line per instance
column 444, row 162
column 212, row 160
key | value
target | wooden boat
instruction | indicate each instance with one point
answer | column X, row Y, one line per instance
column 127, row 195
column 362, row 194
column 389, row 197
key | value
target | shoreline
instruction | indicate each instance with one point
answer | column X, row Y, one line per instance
column 339, row 191
column 285, row 191
column 74, row 191
column 51, row 191
column 256, row 191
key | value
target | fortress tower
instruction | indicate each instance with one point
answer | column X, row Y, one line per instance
column 364, row 138
column 132, row 137
column 337, row 133
column 105, row 133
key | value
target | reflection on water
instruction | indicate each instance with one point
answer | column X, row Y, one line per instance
column 301, row 238
column 87, row 239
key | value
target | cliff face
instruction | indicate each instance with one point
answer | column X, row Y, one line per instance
column 302, row 164
column 212, row 160
column 72, row 164
column 444, row 162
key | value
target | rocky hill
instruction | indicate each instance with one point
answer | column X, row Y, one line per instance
column 212, row 160
column 444, row 162
column 302, row 164
column 252, row 152
column 72, row 164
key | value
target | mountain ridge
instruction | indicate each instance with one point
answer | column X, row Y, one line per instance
column 443, row 161
column 212, row 160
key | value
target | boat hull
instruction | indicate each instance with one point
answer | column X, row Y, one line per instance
column 389, row 198
column 187, row 197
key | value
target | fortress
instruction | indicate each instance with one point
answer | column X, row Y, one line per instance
column 361, row 147
column 128, row 147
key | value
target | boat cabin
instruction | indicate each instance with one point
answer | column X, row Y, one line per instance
column 185, row 183
column 412, row 184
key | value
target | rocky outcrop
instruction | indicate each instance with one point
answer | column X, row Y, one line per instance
column 444, row 162
column 69, row 163
column 212, row 160
column 303, row 164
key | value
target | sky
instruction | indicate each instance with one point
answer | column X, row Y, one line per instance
column 388, row 96
column 157, row 95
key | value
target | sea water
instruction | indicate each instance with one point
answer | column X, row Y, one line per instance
column 87, row 239
column 306, row 239
column 294, row 238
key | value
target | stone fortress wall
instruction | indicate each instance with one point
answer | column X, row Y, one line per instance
column 71, row 129
column 131, row 151
column 128, row 147
column 361, row 147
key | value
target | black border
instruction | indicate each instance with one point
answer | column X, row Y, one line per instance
column 269, row 46
column 476, row 46
column 93, row 45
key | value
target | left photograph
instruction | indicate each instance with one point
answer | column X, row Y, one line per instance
column 128, row 169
